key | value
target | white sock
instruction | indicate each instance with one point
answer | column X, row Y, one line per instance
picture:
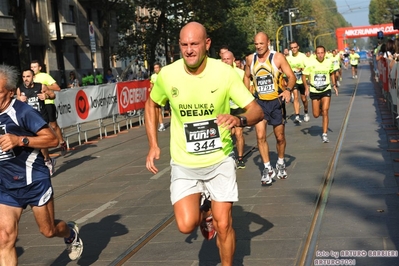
column 280, row 161
column 267, row 165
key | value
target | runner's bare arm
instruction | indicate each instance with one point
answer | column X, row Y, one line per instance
column 333, row 81
column 151, row 124
column 46, row 93
column 54, row 87
column 247, row 75
column 45, row 138
column 253, row 114
column 305, row 83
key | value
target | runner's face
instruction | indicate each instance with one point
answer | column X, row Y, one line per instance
column 320, row 53
column 35, row 67
column 261, row 44
column 157, row 69
column 193, row 46
column 27, row 77
column 228, row 59
column 294, row 48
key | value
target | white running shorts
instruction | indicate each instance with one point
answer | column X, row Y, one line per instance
column 219, row 179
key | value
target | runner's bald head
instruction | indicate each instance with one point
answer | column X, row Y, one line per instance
column 262, row 36
column 228, row 58
column 193, row 27
column 229, row 54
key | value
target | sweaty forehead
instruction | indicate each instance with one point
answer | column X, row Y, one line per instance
column 260, row 38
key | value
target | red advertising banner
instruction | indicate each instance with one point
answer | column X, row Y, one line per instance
column 132, row 95
column 343, row 34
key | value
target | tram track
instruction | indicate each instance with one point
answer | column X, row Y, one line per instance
column 309, row 249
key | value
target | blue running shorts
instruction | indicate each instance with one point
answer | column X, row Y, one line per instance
column 36, row 194
column 273, row 110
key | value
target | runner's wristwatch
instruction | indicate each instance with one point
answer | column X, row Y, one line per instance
column 243, row 121
column 25, row 141
column 288, row 89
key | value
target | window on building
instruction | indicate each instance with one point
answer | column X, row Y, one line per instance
column 34, row 8
column 71, row 14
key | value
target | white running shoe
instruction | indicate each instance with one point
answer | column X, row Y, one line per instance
column 281, row 172
column 75, row 248
column 267, row 176
column 325, row 138
column 306, row 118
column 338, row 83
column 161, row 127
column 297, row 120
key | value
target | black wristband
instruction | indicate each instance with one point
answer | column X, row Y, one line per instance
column 288, row 89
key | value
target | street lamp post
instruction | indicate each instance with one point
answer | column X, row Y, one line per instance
column 291, row 13
column 293, row 24
column 324, row 34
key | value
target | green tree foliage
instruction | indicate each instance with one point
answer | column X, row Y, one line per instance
column 381, row 11
column 228, row 22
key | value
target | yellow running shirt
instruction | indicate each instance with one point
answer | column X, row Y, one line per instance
column 196, row 100
column 354, row 59
column 319, row 75
column 336, row 60
column 297, row 64
column 44, row 79
column 266, row 77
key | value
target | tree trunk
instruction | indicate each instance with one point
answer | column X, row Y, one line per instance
column 106, row 43
column 154, row 41
column 18, row 13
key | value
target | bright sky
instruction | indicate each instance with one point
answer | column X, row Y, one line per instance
column 355, row 12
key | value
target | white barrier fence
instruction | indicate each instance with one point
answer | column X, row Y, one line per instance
column 83, row 109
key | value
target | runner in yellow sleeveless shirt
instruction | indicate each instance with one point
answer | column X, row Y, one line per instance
column 266, row 66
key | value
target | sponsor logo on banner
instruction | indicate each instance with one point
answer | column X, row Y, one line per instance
column 82, row 105
column 132, row 95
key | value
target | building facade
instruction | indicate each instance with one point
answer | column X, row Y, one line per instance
column 77, row 44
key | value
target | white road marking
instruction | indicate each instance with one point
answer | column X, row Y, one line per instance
column 159, row 174
column 96, row 211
